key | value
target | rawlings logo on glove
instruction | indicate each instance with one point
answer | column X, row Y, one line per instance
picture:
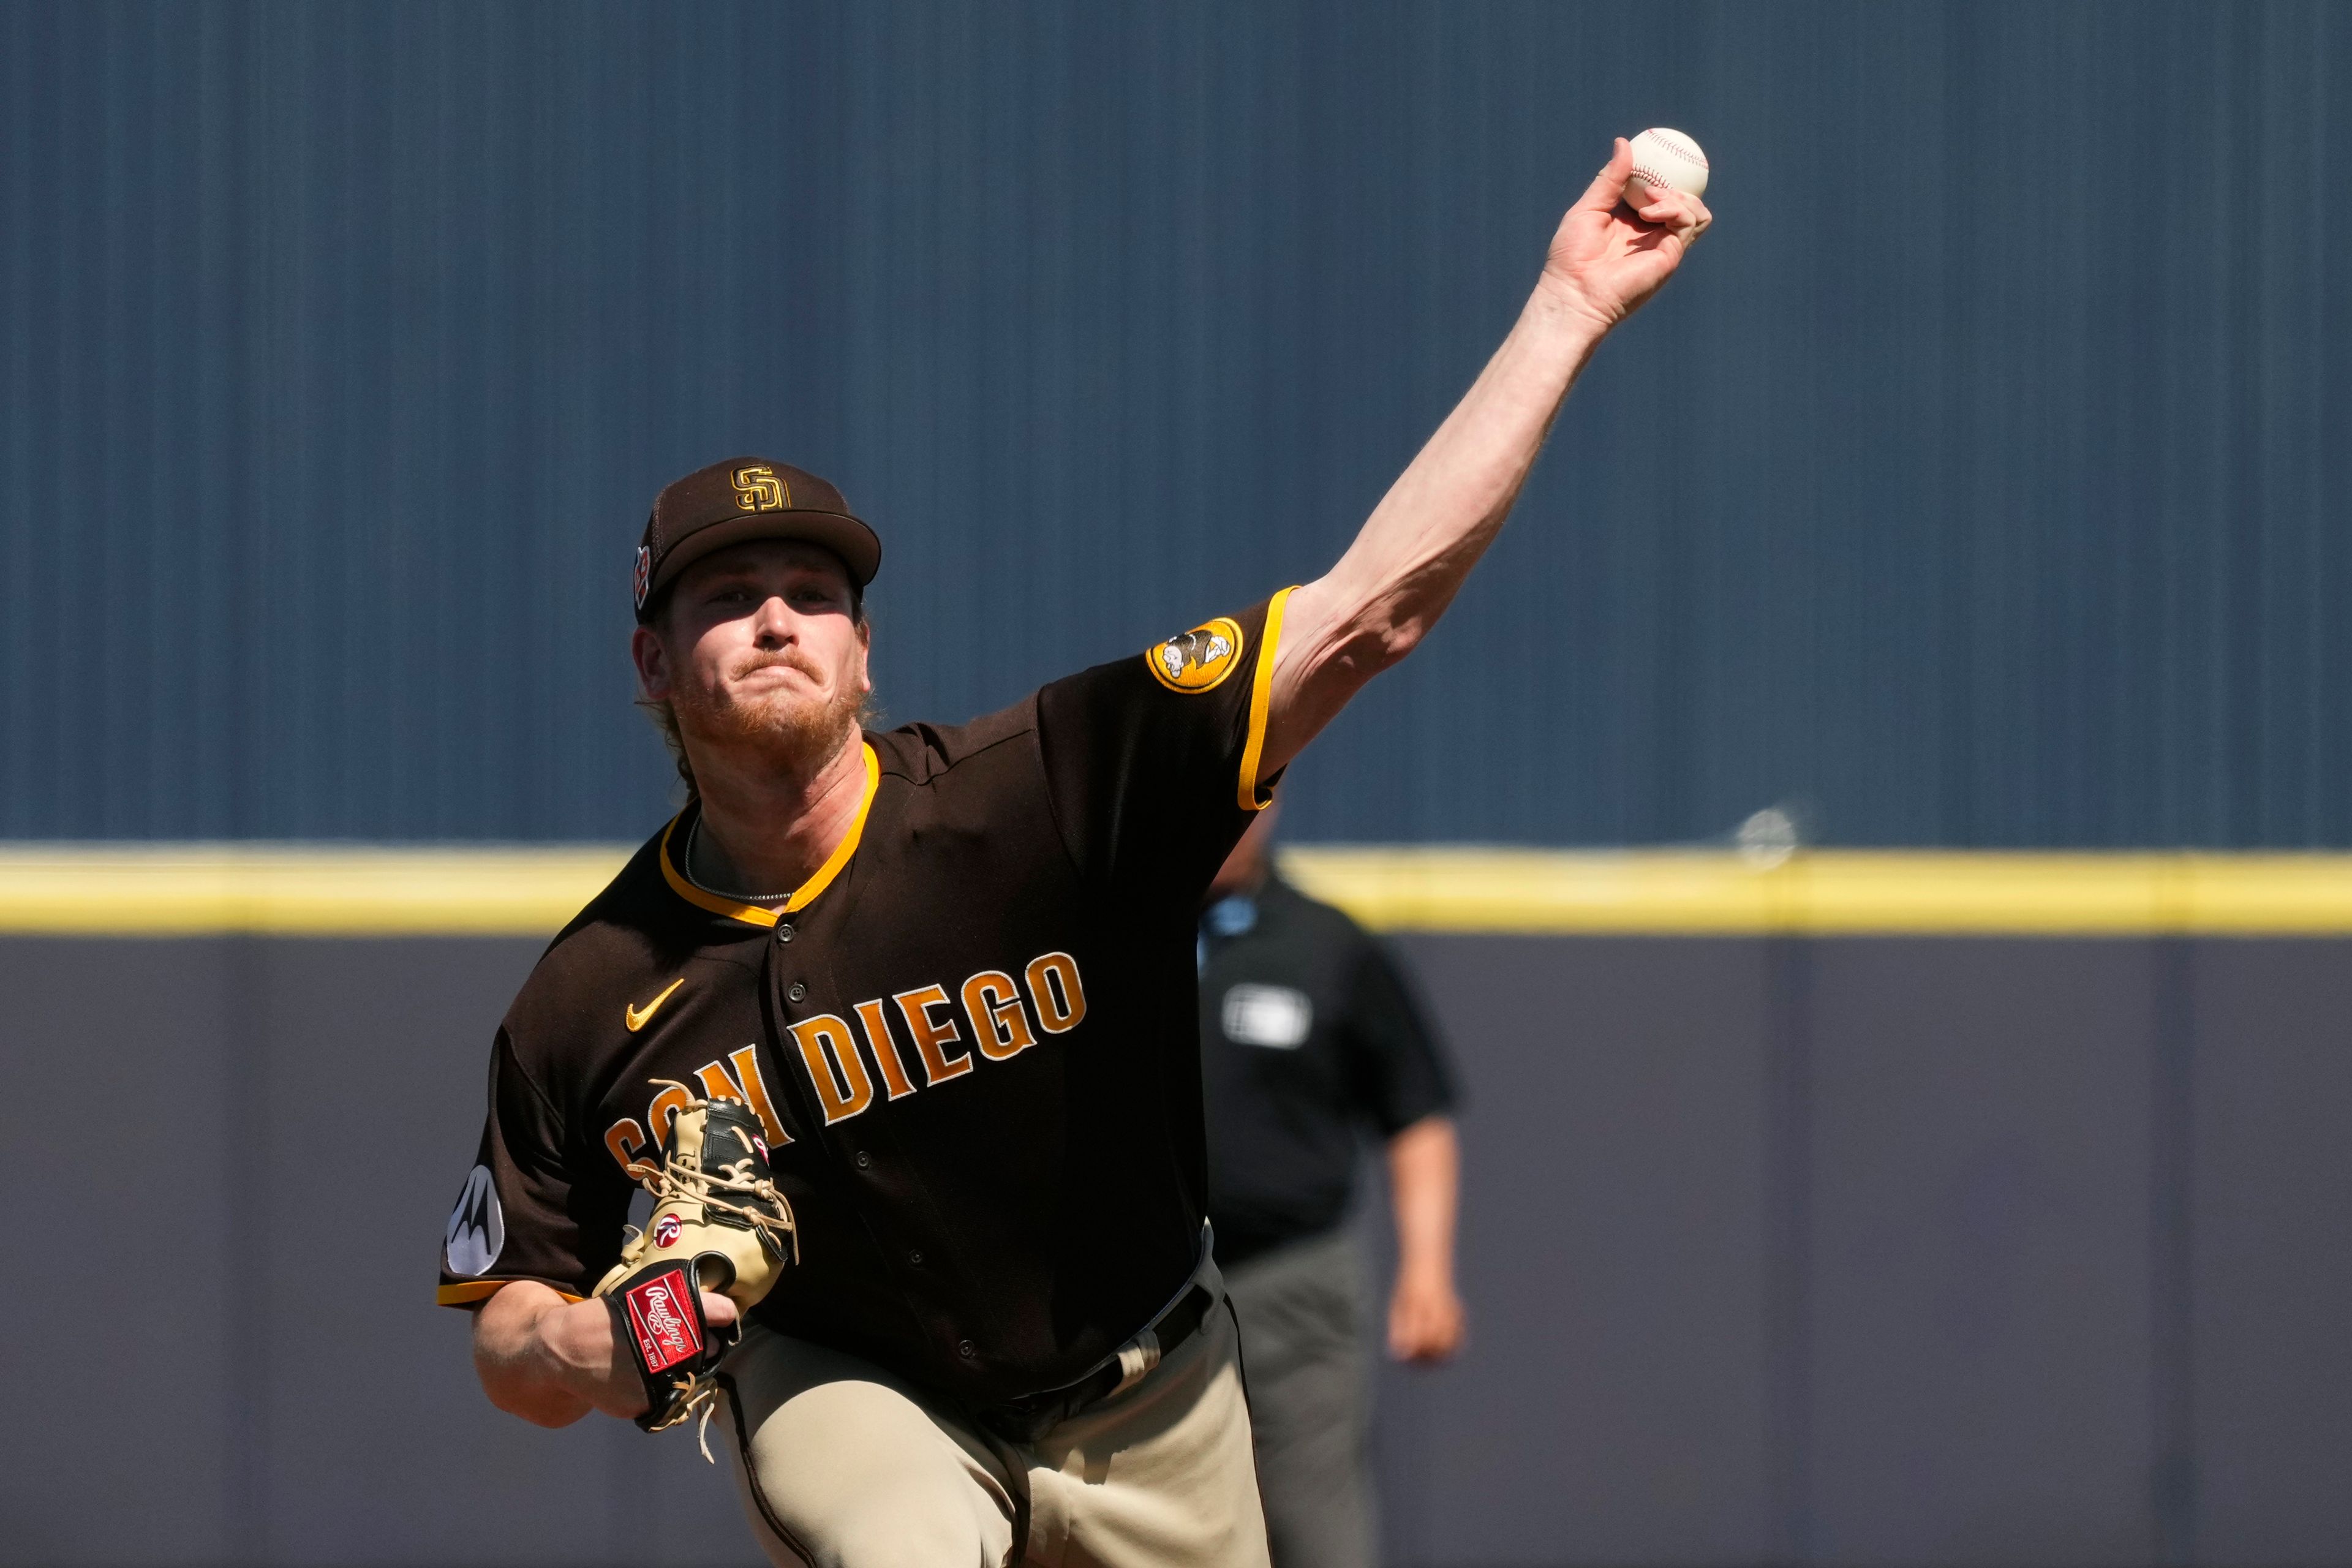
column 719, row 1223
column 665, row 1335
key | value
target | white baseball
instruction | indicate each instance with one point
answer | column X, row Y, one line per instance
column 1668, row 158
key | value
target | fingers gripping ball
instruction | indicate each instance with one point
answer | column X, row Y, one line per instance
column 719, row 1223
column 1669, row 159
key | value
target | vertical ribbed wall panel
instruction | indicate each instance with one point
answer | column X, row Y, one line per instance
column 1983, row 483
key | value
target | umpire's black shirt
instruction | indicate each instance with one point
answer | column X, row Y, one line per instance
column 970, row 1036
column 1308, row 1034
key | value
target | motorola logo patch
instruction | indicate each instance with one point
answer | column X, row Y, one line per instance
column 477, row 1230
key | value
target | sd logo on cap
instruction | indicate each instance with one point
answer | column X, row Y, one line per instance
column 740, row 499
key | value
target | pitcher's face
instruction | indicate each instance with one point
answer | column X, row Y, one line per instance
column 758, row 647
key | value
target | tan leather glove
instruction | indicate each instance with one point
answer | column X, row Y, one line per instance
column 719, row 1223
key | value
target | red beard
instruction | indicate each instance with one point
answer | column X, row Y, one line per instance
column 795, row 734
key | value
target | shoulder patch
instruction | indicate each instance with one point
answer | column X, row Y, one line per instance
column 1200, row 658
column 477, row 1231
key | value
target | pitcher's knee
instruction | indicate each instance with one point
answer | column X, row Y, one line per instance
column 912, row 1527
column 844, row 1468
column 910, row 1507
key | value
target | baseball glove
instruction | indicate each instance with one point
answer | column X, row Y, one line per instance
column 719, row 1223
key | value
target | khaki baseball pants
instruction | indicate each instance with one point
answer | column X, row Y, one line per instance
column 840, row 1465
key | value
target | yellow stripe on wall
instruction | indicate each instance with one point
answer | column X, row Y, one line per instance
column 296, row 890
column 1831, row 892
column 196, row 890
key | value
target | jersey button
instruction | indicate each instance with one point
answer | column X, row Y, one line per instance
column 916, row 1259
column 864, row 1159
column 783, row 933
column 796, row 993
column 967, row 1349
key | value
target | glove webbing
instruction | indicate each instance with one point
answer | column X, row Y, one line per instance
column 701, row 1185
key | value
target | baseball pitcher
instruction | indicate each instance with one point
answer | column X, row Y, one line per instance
column 898, row 1030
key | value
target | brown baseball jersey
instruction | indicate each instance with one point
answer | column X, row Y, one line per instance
column 972, row 1035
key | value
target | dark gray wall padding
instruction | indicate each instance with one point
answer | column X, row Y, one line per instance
column 1905, row 1252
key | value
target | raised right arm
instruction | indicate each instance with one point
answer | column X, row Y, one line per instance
column 1413, row 553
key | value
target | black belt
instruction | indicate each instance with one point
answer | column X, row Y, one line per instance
column 1032, row 1415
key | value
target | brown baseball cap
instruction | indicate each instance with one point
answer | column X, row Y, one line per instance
column 747, row 498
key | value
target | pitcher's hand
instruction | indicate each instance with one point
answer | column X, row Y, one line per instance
column 1607, row 258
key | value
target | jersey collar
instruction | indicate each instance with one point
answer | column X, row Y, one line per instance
column 805, row 894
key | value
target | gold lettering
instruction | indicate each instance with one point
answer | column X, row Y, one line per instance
column 625, row 1140
column 760, row 488
column 664, row 1108
column 755, row 1088
column 746, row 1086
column 1054, row 992
column 885, row 1051
column 931, row 1033
column 999, row 1025
column 831, row 1053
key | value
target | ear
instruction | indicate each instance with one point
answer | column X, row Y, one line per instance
column 652, row 659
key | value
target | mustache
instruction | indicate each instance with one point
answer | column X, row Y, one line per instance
column 786, row 659
column 783, row 729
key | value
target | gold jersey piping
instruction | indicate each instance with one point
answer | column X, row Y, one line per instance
column 805, row 894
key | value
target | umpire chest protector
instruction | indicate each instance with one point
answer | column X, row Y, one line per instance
column 971, row 1038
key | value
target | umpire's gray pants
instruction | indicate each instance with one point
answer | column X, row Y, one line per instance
column 1304, row 1351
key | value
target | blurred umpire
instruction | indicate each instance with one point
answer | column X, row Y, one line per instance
column 1309, row 1038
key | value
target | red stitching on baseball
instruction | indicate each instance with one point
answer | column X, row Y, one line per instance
column 1682, row 146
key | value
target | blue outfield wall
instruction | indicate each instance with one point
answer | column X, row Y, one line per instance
column 1973, row 489
column 1846, row 1251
